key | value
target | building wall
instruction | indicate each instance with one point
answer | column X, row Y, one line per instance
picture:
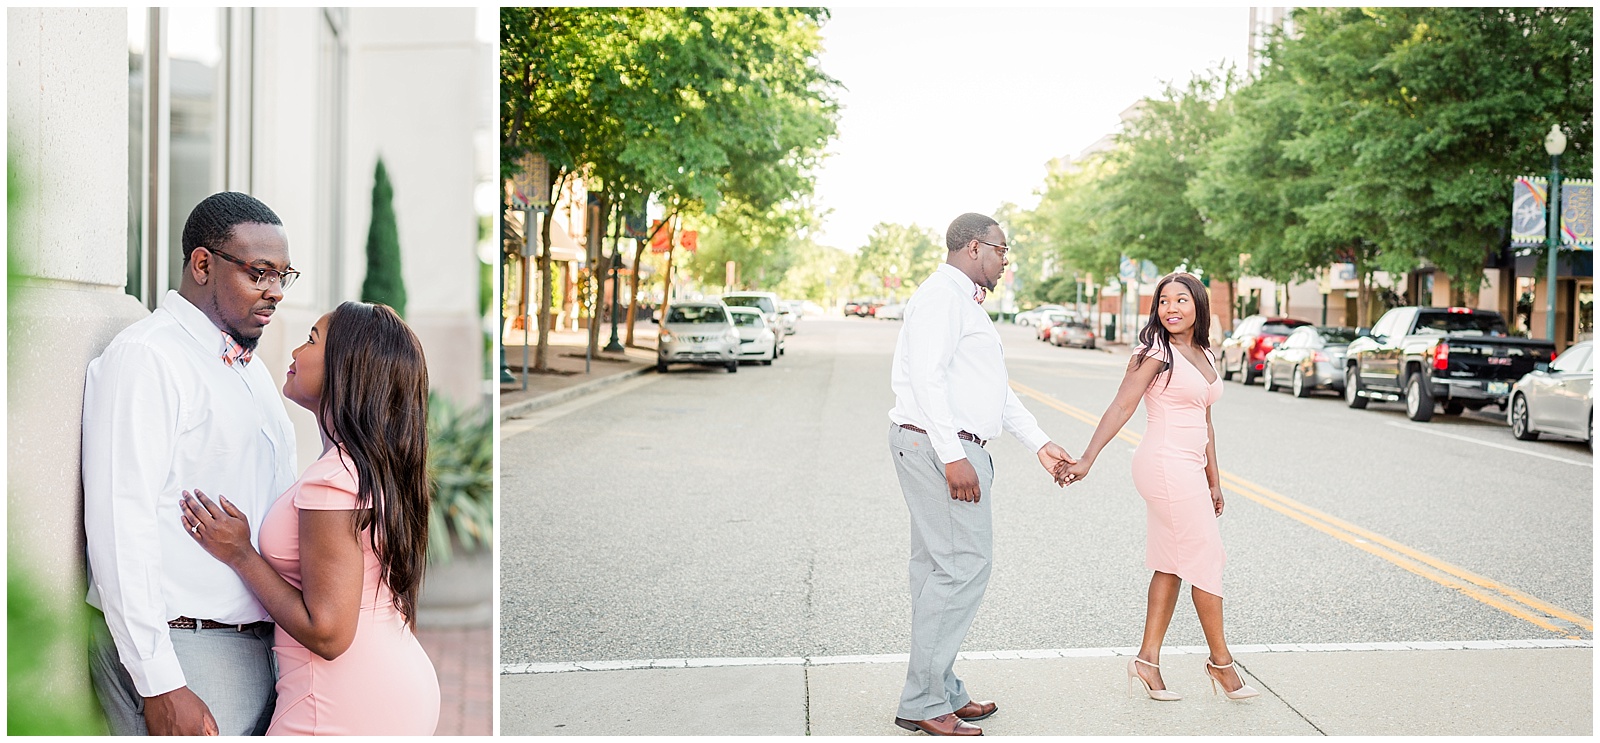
column 406, row 98
column 411, row 101
column 71, row 230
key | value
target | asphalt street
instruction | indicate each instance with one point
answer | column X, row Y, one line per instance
column 702, row 514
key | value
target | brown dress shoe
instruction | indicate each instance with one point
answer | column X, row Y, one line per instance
column 976, row 710
column 945, row 724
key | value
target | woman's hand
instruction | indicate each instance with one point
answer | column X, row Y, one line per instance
column 224, row 531
column 1074, row 472
column 1216, row 499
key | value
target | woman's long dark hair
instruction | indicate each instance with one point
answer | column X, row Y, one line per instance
column 1155, row 332
column 375, row 406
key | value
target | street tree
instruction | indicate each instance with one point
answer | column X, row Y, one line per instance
column 897, row 258
column 1157, row 155
column 1421, row 117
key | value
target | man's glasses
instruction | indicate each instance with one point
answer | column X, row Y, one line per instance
column 265, row 277
column 999, row 250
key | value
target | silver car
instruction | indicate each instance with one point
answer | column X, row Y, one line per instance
column 757, row 341
column 1557, row 397
column 1311, row 358
column 698, row 333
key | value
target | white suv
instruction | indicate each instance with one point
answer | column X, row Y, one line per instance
column 767, row 302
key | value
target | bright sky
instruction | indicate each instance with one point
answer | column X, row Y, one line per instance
column 953, row 110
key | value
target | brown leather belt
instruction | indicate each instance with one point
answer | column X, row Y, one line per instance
column 959, row 434
column 188, row 623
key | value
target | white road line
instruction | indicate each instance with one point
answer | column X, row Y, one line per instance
column 1469, row 439
column 538, row 418
column 509, row 669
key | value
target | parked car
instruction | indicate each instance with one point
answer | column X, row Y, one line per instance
column 1459, row 356
column 757, row 340
column 1072, row 333
column 1047, row 321
column 861, row 308
column 896, row 311
column 788, row 318
column 1311, row 358
column 1031, row 317
column 767, row 302
column 1557, row 397
column 1245, row 352
column 698, row 333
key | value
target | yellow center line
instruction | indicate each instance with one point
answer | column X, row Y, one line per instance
column 1480, row 588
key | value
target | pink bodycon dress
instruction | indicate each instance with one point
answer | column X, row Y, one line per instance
column 384, row 684
column 1169, row 471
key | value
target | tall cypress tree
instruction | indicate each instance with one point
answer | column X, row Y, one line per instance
column 383, row 283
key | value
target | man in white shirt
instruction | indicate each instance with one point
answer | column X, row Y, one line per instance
column 175, row 403
column 951, row 397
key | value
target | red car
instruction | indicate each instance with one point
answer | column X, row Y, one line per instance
column 1245, row 352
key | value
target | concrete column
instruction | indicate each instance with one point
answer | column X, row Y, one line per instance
column 67, row 118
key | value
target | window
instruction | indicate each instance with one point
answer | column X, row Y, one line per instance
column 188, row 126
column 1461, row 323
column 1337, row 335
column 697, row 313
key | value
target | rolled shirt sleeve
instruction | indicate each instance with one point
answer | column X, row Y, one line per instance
column 131, row 418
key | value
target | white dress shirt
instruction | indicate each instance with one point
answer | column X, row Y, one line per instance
column 162, row 413
column 950, row 371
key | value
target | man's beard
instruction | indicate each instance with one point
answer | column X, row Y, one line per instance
column 248, row 344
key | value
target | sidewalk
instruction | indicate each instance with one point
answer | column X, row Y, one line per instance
column 1531, row 687
column 566, row 378
column 461, row 658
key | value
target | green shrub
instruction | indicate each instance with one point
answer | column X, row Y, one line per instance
column 384, row 283
column 461, row 474
column 38, row 637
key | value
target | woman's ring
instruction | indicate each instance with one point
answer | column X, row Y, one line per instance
column 196, row 529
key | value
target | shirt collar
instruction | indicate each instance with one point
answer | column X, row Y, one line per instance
column 198, row 325
column 967, row 285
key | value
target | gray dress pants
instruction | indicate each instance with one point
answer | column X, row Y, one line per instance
column 233, row 672
column 951, row 548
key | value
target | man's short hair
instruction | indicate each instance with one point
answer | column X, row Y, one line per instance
column 967, row 227
column 212, row 221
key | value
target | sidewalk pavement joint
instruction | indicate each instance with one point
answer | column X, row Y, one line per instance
column 510, row 669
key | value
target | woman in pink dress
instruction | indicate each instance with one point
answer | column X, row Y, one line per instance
column 343, row 551
column 1175, row 471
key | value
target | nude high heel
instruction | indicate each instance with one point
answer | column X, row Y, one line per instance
column 1160, row 695
column 1245, row 691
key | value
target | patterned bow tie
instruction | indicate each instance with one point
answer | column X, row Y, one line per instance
column 232, row 351
column 979, row 294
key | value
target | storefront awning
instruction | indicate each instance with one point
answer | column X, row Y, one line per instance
column 562, row 246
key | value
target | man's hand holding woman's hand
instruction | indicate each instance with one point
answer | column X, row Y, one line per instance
column 1072, row 472
column 1055, row 459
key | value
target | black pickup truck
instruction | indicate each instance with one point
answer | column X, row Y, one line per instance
column 1456, row 356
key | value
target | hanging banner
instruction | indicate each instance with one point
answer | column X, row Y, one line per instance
column 1529, row 207
column 690, row 240
column 662, row 242
column 530, row 186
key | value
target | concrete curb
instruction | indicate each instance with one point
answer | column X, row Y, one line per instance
column 519, row 409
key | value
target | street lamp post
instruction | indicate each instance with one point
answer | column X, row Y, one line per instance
column 616, row 277
column 1555, row 143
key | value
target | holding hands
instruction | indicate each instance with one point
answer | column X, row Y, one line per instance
column 1071, row 472
column 1055, row 460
